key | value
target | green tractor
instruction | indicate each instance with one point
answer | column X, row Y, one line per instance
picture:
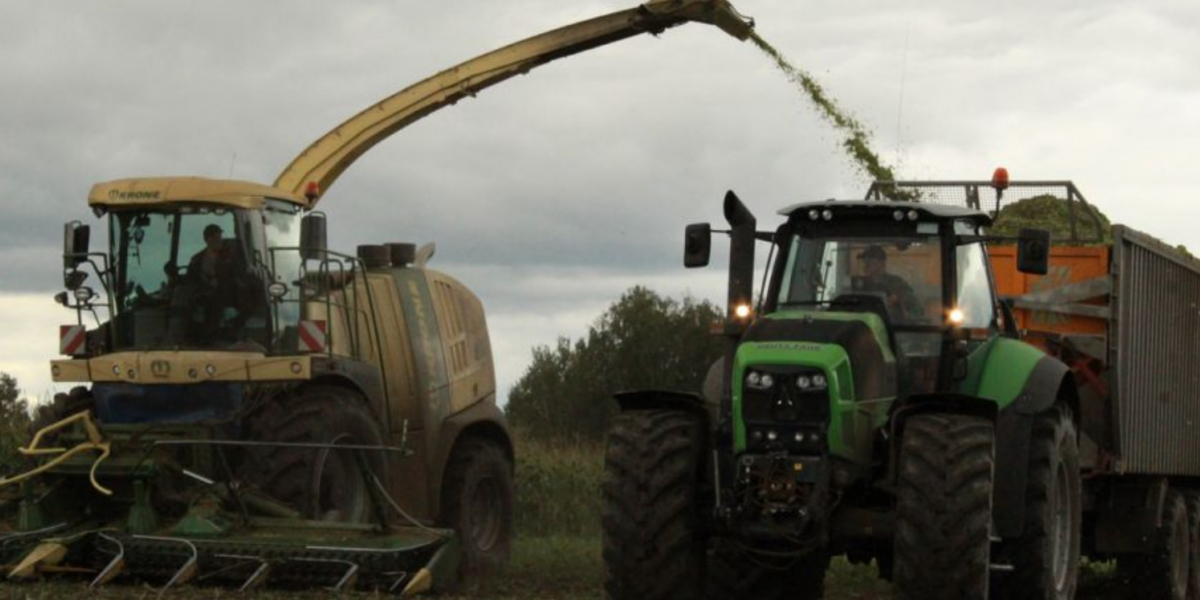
column 876, row 403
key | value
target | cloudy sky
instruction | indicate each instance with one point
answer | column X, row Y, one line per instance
column 552, row 193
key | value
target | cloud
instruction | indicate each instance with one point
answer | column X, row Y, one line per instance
column 587, row 169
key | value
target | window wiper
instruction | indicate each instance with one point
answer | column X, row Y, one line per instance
column 806, row 303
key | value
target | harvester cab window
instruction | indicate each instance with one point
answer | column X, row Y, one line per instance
column 183, row 280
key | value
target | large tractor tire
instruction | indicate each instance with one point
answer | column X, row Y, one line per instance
column 1045, row 558
column 736, row 574
column 77, row 400
column 651, row 547
column 322, row 484
column 944, row 508
column 1163, row 574
column 477, row 502
column 1193, row 509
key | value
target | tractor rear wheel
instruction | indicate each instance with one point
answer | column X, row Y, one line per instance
column 944, row 508
column 477, row 502
column 1046, row 556
column 1193, row 506
column 322, row 484
column 734, row 573
column 651, row 546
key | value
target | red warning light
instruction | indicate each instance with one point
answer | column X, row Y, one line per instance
column 314, row 189
column 1000, row 179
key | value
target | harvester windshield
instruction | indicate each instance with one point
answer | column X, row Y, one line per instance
column 196, row 276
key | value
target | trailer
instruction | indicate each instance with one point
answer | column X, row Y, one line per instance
column 1122, row 310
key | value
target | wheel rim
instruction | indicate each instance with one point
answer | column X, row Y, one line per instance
column 338, row 486
column 1179, row 554
column 484, row 521
column 1063, row 527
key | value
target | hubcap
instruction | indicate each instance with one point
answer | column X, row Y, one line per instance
column 338, row 486
column 483, row 520
column 1179, row 555
column 1062, row 533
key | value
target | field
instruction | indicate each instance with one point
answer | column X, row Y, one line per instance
column 557, row 554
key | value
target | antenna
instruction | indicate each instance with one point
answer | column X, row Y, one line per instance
column 900, row 107
column 232, row 162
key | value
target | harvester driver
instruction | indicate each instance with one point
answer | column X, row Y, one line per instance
column 209, row 274
column 899, row 295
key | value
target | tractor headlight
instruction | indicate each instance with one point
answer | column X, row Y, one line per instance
column 804, row 382
column 759, row 381
column 819, row 381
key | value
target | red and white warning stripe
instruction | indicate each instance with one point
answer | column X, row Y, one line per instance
column 312, row 336
column 72, row 340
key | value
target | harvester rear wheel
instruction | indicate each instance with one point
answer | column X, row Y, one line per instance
column 1164, row 572
column 735, row 574
column 944, row 508
column 1046, row 556
column 649, row 516
column 477, row 502
column 322, row 484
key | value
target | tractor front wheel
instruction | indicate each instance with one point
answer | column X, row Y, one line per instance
column 651, row 547
column 944, row 508
column 1046, row 556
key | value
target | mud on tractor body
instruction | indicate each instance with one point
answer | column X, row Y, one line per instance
column 262, row 409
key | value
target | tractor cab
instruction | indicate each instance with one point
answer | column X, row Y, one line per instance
column 901, row 281
column 192, row 264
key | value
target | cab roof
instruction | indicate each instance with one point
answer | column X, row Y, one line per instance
column 159, row 191
column 936, row 211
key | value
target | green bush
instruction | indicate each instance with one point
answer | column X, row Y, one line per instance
column 14, row 423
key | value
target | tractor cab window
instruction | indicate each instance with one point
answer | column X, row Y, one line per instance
column 897, row 277
column 184, row 280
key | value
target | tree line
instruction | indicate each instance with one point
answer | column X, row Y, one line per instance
column 643, row 340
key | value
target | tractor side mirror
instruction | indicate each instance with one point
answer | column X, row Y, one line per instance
column 1033, row 251
column 697, row 245
column 76, row 236
column 313, row 240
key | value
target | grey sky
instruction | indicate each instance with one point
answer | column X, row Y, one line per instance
column 553, row 192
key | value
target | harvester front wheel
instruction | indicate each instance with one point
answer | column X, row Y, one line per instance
column 649, row 516
column 944, row 508
column 323, row 484
column 477, row 502
column 1046, row 556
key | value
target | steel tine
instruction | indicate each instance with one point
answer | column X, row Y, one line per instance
column 114, row 567
column 348, row 579
column 401, row 576
column 189, row 568
column 258, row 576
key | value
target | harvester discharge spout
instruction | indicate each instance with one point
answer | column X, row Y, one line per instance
column 318, row 167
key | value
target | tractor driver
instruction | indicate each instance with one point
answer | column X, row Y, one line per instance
column 899, row 295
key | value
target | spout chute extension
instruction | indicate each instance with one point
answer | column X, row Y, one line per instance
column 323, row 161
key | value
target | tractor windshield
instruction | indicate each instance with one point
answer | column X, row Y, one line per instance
column 188, row 277
column 898, row 277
